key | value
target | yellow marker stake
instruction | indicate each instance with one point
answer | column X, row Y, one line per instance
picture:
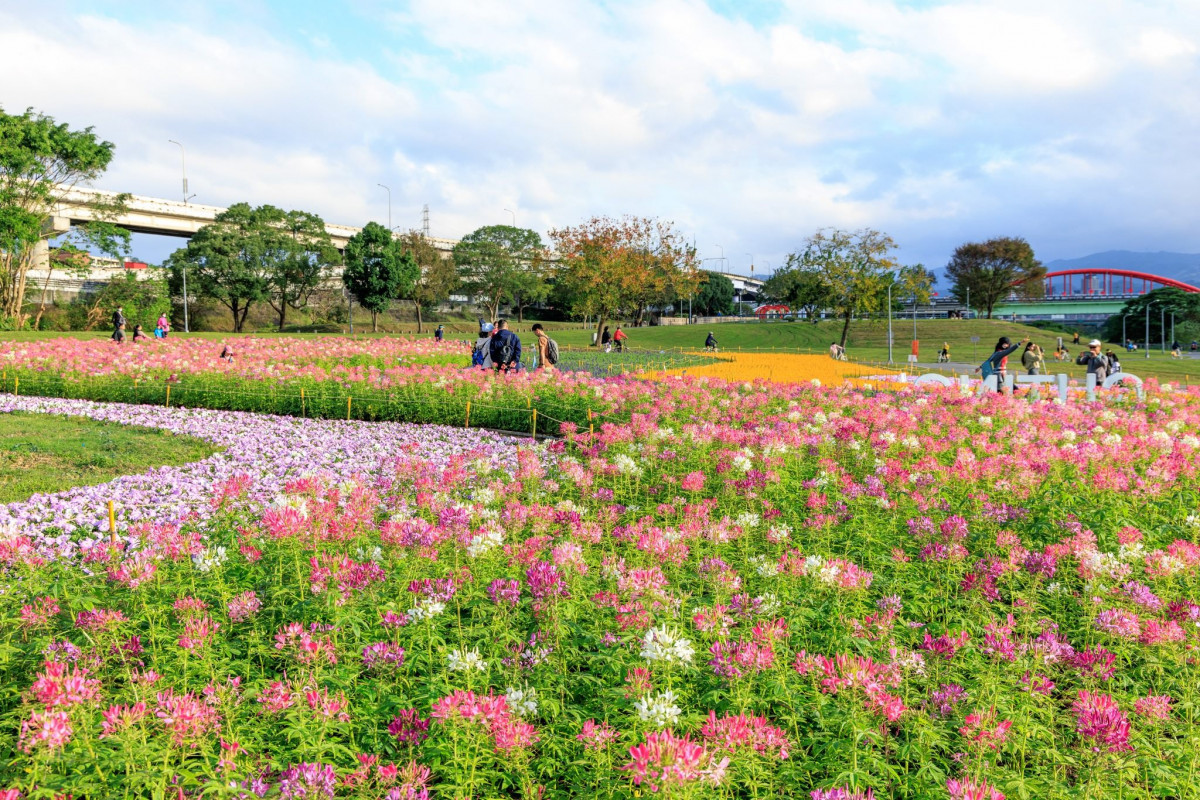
column 302, row 402
column 112, row 522
column 168, row 403
column 348, row 399
column 534, row 432
column 467, row 422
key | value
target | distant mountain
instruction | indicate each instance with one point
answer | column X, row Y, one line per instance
column 1180, row 266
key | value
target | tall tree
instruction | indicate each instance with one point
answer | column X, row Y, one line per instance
column 303, row 256
column 802, row 289
column 41, row 161
column 233, row 259
column 990, row 271
column 853, row 267
column 714, row 296
column 912, row 285
column 614, row 265
column 378, row 270
column 496, row 263
column 439, row 276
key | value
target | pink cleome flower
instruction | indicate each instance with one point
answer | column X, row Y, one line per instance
column 50, row 730
column 666, row 761
column 1098, row 718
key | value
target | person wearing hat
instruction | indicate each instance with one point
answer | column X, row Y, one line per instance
column 1095, row 361
column 481, row 354
column 440, row 333
column 997, row 363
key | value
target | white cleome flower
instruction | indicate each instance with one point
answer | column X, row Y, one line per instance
column 482, row 542
column 464, row 660
column 661, row 644
column 522, row 702
column 659, row 710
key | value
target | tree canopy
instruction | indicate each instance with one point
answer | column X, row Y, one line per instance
column 439, row 276
column 853, row 268
column 41, row 161
column 610, row 266
column 378, row 270
column 714, row 296
column 1162, row 304
column 990, row 271
column 250, row 255
column 498, row 263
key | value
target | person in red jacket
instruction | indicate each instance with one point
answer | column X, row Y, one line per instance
column 619, row 339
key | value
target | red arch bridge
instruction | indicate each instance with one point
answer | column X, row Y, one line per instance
column 1106, row 283
column 1086, row 295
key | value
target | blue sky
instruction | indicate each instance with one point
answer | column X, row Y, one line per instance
column 750, row 124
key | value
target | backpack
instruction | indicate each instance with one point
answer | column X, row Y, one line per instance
column 551, row 352
column 505, row 349
column 987, row 368
column 477, row 357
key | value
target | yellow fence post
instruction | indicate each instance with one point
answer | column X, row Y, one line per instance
column 302, row 402
column 348, row 400
column 467, row 421
column 112, row 522
column 533, row 433
column 168, row 402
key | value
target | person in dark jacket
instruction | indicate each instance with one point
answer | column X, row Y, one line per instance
column 1094, row 360
column 999, row 359
column 506, row 348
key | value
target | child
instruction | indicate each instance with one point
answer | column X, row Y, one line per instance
column 227, row 353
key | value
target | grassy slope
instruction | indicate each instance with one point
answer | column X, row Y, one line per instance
column 45, row 453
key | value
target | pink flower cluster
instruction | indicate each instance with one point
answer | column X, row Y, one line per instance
column 508, row 731
column 735, row 731
column 1100, row 720
column 665, row 761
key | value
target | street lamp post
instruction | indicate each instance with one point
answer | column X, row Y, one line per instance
column 968, row 302
column 1172, row 330
column 1124, row 337
column 514, row 216
column 183, row 165
column 1148, row 329
column 389, row 191
column 889, row 321
column 1162, row 329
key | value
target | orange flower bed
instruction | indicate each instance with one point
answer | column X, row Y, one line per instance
column 778, row 368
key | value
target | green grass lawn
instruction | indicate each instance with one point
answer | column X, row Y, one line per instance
column 49, row 453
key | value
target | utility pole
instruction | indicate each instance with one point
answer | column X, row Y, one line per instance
column 1162, row 328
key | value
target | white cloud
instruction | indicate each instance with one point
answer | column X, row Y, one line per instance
column 930, row 122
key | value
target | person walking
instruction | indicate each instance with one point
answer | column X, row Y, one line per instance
column 944, row 354
column 997, row 363
column 547, row 348
column 164, row 324
column 506, row 348
column 1094, row 360
column 440, row 333
column 481, row 353
column 606, row 340
column 118, row 323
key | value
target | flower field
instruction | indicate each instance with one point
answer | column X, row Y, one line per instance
column 724, row 589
